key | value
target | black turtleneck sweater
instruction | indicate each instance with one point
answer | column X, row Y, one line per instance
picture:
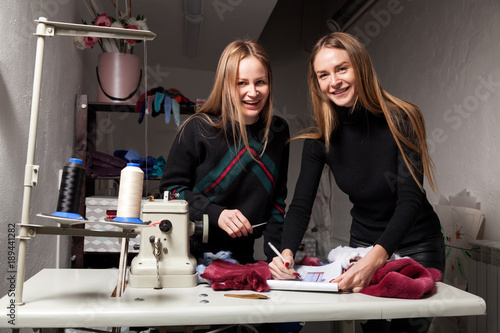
column 388, row 209
column 211, row 173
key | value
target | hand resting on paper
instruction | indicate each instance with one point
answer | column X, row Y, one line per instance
column 283, row 270
column 360, row 274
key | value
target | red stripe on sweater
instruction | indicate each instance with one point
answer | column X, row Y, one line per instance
column 264, row 168
column 226, row 171
column 278, row 208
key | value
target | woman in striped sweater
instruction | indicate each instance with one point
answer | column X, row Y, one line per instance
column 230, row 160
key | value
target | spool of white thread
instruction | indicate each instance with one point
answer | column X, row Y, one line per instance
column 130, row 194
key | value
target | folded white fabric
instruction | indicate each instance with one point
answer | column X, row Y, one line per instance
column 349, row 255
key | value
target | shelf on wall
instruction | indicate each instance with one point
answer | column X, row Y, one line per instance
column 127, row 107
column 118, row 178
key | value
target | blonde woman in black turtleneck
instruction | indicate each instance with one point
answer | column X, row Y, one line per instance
column 375, row 146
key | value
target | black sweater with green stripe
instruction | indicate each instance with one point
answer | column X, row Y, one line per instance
column 388, row 206
column 211, row 173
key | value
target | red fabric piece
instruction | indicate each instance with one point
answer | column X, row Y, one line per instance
column 309, row 261
column 226, row 275
column 142, row 99
column 403, row 278
column 179, row 97
column 176, row 94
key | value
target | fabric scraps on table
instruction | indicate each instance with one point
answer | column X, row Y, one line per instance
column 403, row 278
column 226, row 275
column 208, row 258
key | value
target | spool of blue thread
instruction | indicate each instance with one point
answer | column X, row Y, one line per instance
column 70, row 191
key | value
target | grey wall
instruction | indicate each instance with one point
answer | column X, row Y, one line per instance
column 443, row 56
column 62, row 73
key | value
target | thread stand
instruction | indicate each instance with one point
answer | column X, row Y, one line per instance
column 46, row 29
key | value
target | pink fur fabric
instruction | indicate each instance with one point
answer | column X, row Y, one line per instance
column 403, row 278
column 226, row 275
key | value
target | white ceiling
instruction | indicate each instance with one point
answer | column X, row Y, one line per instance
column 223, row 22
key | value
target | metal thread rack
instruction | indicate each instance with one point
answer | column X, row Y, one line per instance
column 44, row 29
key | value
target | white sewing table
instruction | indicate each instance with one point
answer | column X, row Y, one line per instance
column 69, row 298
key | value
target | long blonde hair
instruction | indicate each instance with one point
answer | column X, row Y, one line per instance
column 224, row 102
column 376, row 100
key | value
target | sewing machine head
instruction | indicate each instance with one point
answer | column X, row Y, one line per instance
column 164, row 259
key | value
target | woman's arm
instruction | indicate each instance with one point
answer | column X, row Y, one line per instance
column 283, row 270
column 299, row 213
column 274, row 228
column 188, row 151
column 297, row 217
column 360, row 274
column 408, row 206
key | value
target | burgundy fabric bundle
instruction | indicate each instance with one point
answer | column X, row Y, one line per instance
column 309, row 261
column 102, row 165
column 226, row 275
column 403, row 278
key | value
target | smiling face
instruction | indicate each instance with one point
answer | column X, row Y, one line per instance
column 336, row 77
column 253, row 88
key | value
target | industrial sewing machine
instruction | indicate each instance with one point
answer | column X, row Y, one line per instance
column 164, row 259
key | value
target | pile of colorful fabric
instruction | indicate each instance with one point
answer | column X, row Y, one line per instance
column 103, row 165
column 159, row 100
column 399, row 278
column 100, row 164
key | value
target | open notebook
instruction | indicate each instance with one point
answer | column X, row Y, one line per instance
column 313, row 278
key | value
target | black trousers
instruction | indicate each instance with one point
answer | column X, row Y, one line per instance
column 428, row 253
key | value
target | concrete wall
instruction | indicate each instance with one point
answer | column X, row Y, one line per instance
column 443, row 57
column 62, row 73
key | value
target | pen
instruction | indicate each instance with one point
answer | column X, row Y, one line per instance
column 258, row 225
column 277, row 253
column 282, row 258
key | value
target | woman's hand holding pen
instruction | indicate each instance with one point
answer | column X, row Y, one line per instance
column 282, row 269
column 234, row 223
column 360, row 274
